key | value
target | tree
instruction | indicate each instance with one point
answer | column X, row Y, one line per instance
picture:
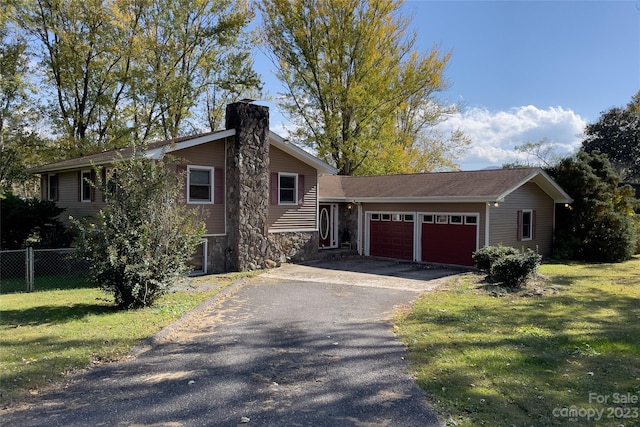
column 140, row 243
column 187, row 51
column 617, row 134
column 538, row 154
column 122, row 71
column 19, row 142
column 358, row 92
column 599, row 225
column 31, row 222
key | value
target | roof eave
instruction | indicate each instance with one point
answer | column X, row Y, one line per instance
column 545, row 182
column 76, row 166
column 438, row 199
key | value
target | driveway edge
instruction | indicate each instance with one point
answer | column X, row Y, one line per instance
column 163, row 333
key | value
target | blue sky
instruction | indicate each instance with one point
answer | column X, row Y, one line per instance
column 522, row 70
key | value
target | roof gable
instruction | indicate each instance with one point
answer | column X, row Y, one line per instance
column 467, row 186
column 157, row 151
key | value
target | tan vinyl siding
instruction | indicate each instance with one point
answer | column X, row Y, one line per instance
column 503, row 222
column 419, row 208
column 294, row 217
column 212, row 155
column 68, row 198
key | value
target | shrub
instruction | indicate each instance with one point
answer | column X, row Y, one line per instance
column 600, row 219
column 31, row 222
column 143, row 238
column 485, row 257
column 514, row 269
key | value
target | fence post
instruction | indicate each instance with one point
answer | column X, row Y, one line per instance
column 29, row 269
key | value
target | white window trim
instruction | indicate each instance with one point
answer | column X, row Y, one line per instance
column 295, row 188
column 530, row 237
column 211, row 171
column 52, row 176
column 205, row 248
column 461, row 222
column 82, row 183
column 441, row 218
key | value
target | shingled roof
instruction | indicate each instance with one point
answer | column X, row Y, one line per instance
column 468, row 186
column 158, row 149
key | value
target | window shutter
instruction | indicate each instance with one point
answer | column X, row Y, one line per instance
column 181, row 171
column 519, row 226
column 300, row 189
column 218, row 185
column 44, row 191
column 274, row 188
column 533, row 224
column 103, row 186
column 79, row 186
column 93, row 186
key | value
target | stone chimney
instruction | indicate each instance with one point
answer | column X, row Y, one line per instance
column 247, row 183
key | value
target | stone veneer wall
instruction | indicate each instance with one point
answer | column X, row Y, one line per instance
column 247, row 186
column 248, row 244
column 217, row 255
column 294, row 246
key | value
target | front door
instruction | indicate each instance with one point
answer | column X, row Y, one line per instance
column 327, row 229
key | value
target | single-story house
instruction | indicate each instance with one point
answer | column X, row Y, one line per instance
column 268, row 201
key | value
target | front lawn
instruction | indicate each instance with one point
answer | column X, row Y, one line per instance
column 46, row 335
column 566, row 351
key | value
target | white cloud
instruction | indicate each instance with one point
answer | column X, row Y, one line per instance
column 495, row 134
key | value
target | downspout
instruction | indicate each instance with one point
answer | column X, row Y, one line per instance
column 486, row 225
column 360, row 231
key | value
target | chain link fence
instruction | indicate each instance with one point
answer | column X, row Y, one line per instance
column 29, row 269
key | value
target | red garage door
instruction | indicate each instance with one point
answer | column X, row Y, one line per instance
column 391, row 236
column 449, row 239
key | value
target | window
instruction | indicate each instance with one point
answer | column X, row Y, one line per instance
column 527, row 225
column 375, row 217
column 456, row 219
column 408, row 218
column 110, row 178
column 442, row 219
column 386, row 217
column 288, row 188
column 52, row 185
column 200, row 184
column 428, row 219
column 198, row 262
column 86, row 188
column 470, row 220
column 396, row 217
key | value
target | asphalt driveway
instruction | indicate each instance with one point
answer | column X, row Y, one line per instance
column 296, row 346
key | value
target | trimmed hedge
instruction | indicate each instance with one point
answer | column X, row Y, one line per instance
column 507, row 265
column 485, row 257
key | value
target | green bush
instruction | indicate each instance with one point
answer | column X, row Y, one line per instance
column 31, row 222
column 512, row 270
column 598, row 226
column 485, row 257
column 141, row 241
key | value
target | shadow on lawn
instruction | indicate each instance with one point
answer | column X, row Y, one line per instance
column 51, row 314
column 536, row 353
column 45, row 283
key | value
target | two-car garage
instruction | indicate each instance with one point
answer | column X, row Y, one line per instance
column 447, row 238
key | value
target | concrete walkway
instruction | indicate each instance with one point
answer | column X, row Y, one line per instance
column 296, row 346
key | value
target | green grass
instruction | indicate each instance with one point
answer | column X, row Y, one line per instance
column 45, row 335
column 41, row 283
column 521, row 358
